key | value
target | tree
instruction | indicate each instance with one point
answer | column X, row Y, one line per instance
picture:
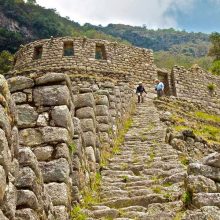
column 6, row 59
column 32, row 2
column 215, row 49
column 215, row 68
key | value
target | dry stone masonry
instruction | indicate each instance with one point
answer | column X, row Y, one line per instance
column 63, row 105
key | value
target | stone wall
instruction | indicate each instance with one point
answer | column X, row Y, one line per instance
column 120, row 59
column 193, row 85
column 53, row 139
column 8, row 153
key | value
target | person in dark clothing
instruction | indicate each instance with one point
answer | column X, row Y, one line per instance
column 139, row 91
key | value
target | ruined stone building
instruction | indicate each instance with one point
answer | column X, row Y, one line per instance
column 63, row 103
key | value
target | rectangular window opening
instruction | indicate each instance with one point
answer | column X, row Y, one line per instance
column 68, row 49
column 100, row 53
column 38, row 50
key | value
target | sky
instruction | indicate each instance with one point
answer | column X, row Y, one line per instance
column 190, row 15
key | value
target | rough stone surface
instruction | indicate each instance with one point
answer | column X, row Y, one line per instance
column 27, row 116
column 28, row 199
column 212, row 160
column 32, row 136
column 2, row 183
column 56, row 95
column 62, row 117
column 197, row 184
column 20, row 83
column 55, row 171
column 85, row 100
column 58, row 193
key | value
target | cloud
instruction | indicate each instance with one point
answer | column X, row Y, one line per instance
column 153, row 13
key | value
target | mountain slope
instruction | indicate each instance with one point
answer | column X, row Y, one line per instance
column 177, row 42
column 21, row 22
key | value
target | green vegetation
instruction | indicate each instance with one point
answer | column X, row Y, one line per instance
column 166, row 59
column 179, row 216
column 6, row 59
column 209, row 132
column 77, row 213
column 187, row 198
column 184, row 160
column 215, row 68
column 72, row 148
column 207, row 117
column 157, row 189
column 177, row 42
column 91, row 195
column 215, row 53
column 168, row 184
column 38, row 22
column 188, row 117
column 125, row 179
column 211, row 87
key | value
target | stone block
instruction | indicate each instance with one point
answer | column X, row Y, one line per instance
column 10, row 200
column 77, row 126
column 90, row 154
column 27, row 198
column 5, row 155
column 61, row 212
column 2, row 216
column 51, row 95
column 4, row 122
column 87, row 125
column 199, row 184
column 84, row 100
column 103, row 119
column 212, row 160
column 55, row 171
column 58, row 193
column 62, row 117
column 204, row 170
column 104, row 127
column 43, row 153
column 37, row 136
column 86, row 112
column 42, row 120
column 89, row 139
column 50, row 78
column 62, row 151
column 20, row 83
column 26, row 214
column 101, row 100
column 26, row 178
column 14, row 141
column 3, row 183
column 27, row 158
column 206, row 199
column 27, row 116
column 102, row 110
column 19, row 97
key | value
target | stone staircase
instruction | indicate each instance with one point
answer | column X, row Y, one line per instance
column 146, row 179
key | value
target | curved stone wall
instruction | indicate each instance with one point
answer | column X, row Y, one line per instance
column 119, row 57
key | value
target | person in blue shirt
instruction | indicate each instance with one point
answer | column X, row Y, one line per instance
column 139, row 91
column 159, row 87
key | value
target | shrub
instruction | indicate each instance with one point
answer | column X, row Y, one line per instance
column 215, row 68
column 211, row 87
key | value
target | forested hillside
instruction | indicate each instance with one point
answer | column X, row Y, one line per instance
column 24, row 21
column 177, row 42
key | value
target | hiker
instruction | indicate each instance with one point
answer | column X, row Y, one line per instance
column 139, row 91
column 159, row 87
